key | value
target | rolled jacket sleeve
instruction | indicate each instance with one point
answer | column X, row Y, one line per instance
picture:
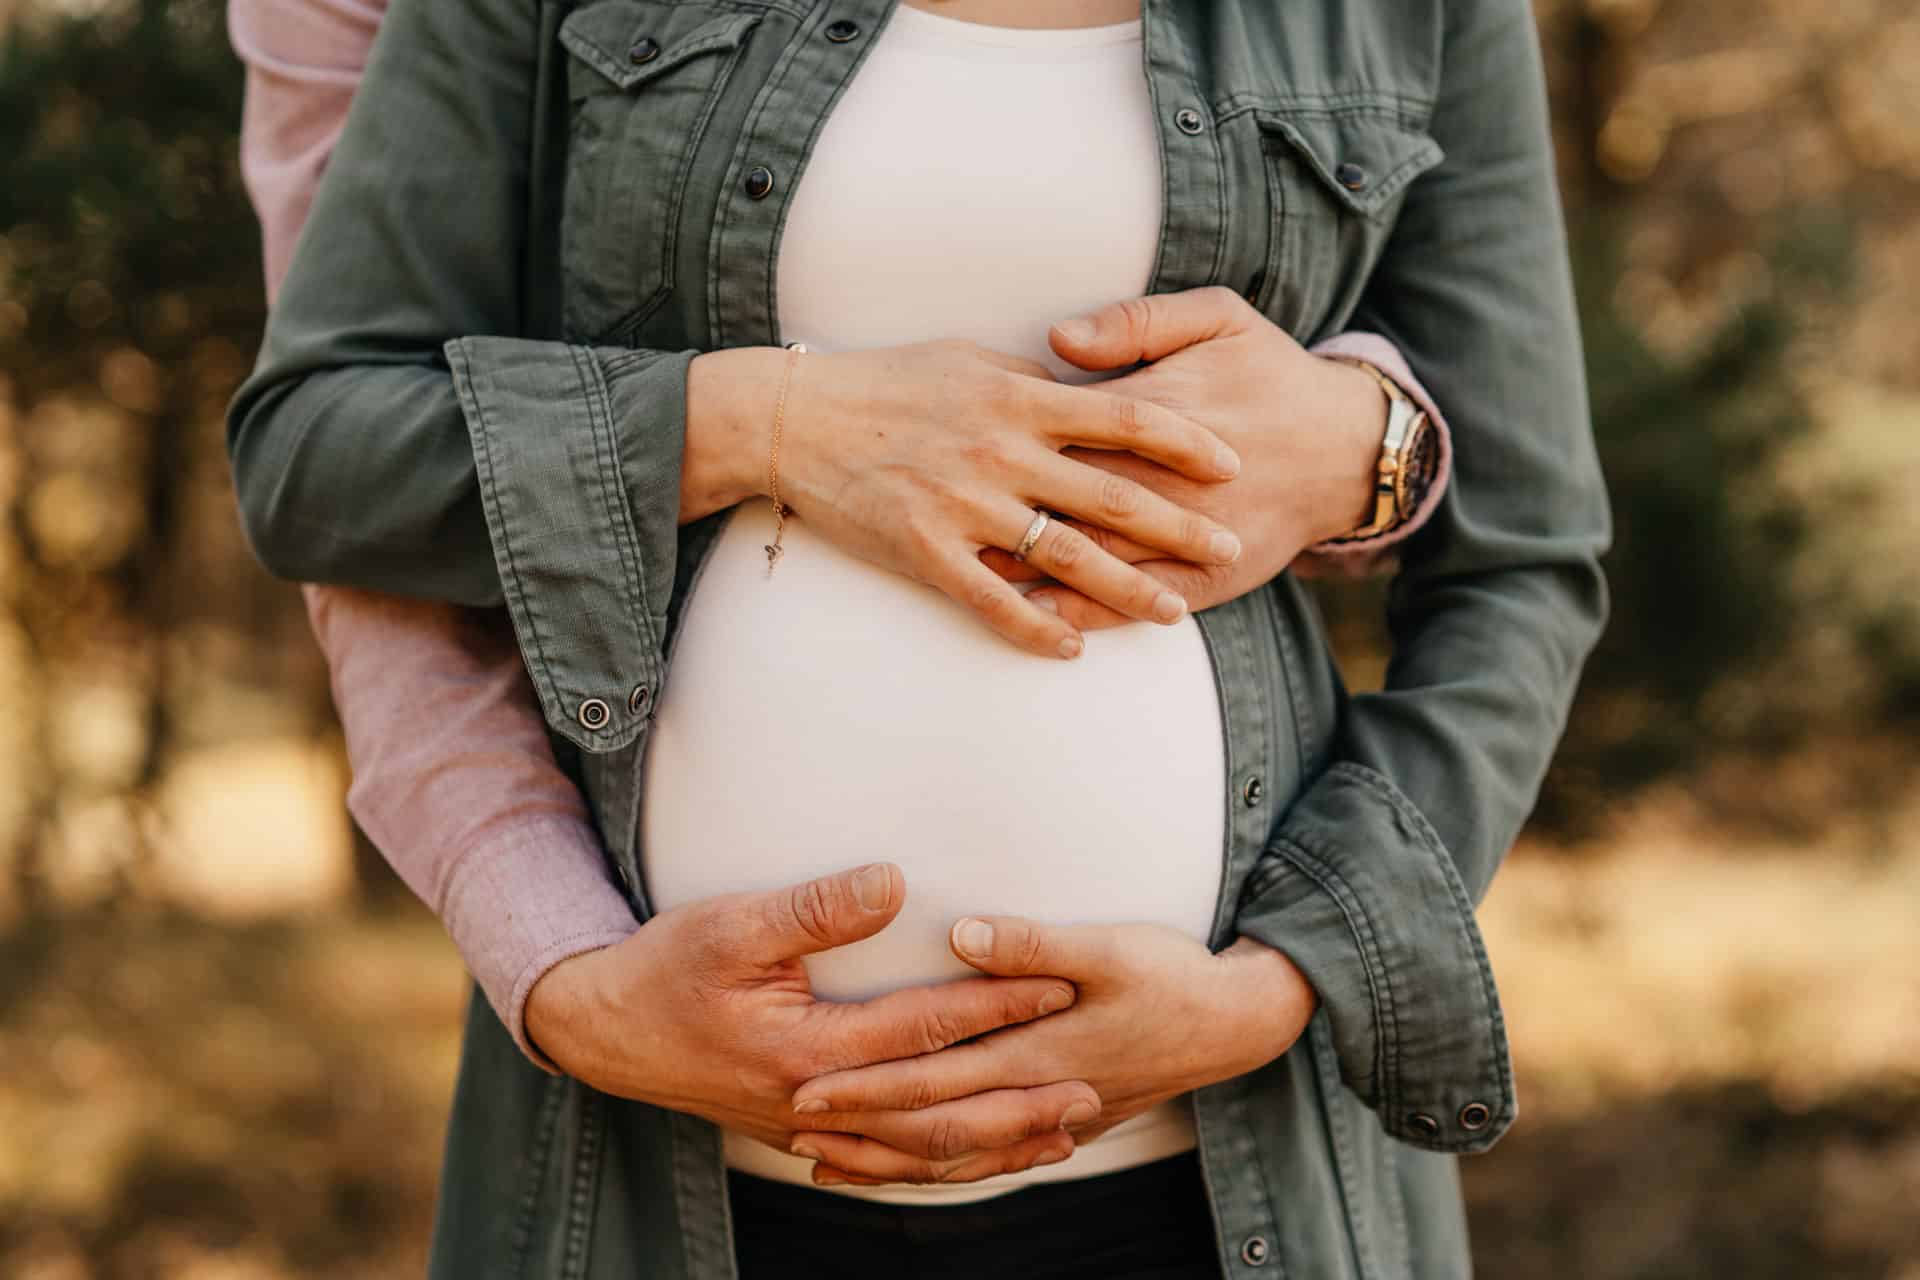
column 1371, row 877
column 371, row 447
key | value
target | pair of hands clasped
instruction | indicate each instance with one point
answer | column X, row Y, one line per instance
column 707, row 1010
column 1189, row 481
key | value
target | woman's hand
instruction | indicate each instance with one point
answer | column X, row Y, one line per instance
column 1307, row 429
column 1158, row 1015
column 918, row 457
column 707, row 1010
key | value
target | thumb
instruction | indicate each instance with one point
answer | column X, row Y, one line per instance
column 1134, row 329
column 821, row 914
column 1006, row 947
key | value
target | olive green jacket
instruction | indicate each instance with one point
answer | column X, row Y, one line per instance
column 473, row 389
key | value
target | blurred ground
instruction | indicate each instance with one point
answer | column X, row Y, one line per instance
column 1718, row 1047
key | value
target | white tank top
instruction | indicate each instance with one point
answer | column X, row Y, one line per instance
column 836, row 713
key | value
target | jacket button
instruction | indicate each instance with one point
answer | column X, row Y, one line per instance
column 1188, row 120
column 645, row 49
column 1423, row 1124
column 1255, row 1251
column 1351, row 176
column 594, row 713
column 637, row 700
column 1253, row 791
column 759, row 181
column 1475, row 1116
column 842, row 31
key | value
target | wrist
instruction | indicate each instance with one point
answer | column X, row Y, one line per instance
column 731, row 395
column 1272, row 998
column 1360, row 409
column 570, row 1005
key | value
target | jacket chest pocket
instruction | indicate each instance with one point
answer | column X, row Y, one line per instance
column 642, row 80
column 1335, row 182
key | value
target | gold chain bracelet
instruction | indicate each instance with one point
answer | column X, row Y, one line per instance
column 794, row 351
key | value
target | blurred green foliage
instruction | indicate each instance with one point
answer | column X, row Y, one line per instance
column 122, row 210
column 130, row 286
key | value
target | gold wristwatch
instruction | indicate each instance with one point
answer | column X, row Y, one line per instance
column 1407, row 458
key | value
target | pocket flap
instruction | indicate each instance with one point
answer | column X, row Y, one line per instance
column 1364, row 159
column 629, row 44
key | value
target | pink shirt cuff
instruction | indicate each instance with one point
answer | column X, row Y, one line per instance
column 532, row 894
column 455, row 783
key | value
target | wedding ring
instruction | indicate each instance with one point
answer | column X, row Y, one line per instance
column 1032, row 536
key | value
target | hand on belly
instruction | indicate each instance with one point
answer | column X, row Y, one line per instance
column 1158, row 1015
column 837, row 713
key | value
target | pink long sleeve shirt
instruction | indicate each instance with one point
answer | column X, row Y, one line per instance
column 454, row 779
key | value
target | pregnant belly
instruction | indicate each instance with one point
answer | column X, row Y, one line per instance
column 836, row 714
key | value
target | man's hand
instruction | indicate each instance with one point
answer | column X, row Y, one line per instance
column 1158, row 1015
column 707, row 1010
column 1307, row 430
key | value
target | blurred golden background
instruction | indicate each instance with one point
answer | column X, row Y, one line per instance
column 227, row 1035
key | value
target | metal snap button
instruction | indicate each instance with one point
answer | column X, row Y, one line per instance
column 1255, row 1251
column 1253, row 791
column 759, row 181
column 842, row 31
column 1423, row 1124
column 645, row 49
column 637, row 700
column 1351, row 176
column 1475, row 1116
column 1187, row 120
column 594, row 713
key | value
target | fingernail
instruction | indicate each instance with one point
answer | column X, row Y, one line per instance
column 1225, row 547
column 828, row 1178
column 1052, row 1157
column 806, row 1150
column 811, row 1107
column 1045, row 602
column 1226, row 462
column 1168, row 607
column 1077, row 1114
column 1054, row 1001
column 872, row 886
column 973, row 938
column 1071, row 646
column 1078, row 330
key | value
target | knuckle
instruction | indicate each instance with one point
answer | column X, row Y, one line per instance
column 919, row 533
column 998, row 391
column 1137, row 314
column 987, row 453
column 947, row 1138
column 812, row 907
column 1220, row 296
column 919, row 1094
column 940, row 1029
column 1195, row 534
column 1142, row 593
column 1129, row 418
column 1118, row 498
column 1024, row 947
column 1064, row 548
column 989, row 599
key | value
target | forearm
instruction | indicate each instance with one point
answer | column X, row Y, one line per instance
column 455, row 782
column 454, row 778
column 1372, row 876
column 1366, row 555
